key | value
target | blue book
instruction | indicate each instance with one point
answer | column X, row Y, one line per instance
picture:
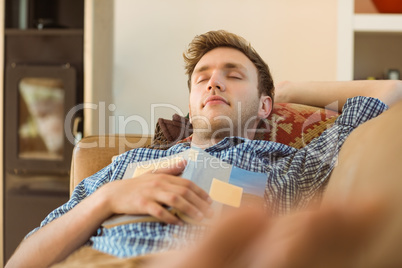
column 228, row 186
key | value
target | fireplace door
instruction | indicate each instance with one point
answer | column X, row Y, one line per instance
column 38, row 99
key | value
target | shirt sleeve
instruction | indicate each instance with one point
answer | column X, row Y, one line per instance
column 310, row 167
column 360, row 109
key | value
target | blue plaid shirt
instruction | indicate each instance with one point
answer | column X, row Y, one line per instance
column 294, row 177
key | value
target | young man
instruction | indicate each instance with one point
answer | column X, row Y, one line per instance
column 231, row 89
column 358, row 224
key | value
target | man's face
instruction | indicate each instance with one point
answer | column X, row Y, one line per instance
column 224, row 97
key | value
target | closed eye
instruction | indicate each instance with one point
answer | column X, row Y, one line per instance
column 202, row 79
column 234, row 75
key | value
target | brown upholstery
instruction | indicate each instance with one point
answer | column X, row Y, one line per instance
column 93, row 153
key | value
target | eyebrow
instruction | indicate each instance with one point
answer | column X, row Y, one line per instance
column 227, row 66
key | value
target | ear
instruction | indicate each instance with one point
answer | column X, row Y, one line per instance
column 265, row 107
column 189, row 113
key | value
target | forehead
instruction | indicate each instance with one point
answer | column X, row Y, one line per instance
column 225, row 57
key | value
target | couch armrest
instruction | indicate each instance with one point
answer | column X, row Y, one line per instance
column 93, row 153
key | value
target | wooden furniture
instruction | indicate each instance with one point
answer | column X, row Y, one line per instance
column 369, row 44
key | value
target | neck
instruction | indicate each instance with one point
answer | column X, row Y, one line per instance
column 203, row 140
column 203, row 143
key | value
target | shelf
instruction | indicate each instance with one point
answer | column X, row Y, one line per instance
column 387, row 23
column 44, row 32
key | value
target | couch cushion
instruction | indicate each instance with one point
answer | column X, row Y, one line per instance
column 295, row 124
column 93, row 153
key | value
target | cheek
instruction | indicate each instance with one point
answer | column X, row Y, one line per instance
column 191, row 100
column 247, row 95
column 192, row 103
column 195, row 97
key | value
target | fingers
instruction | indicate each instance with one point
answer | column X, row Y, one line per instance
column 162, row 213
column 175, row 170
column 182, row 195
column 187, row 202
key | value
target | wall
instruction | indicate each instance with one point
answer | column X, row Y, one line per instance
column 1, row 130
column 296, row 38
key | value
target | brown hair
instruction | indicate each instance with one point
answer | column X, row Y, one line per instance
column 201, row 44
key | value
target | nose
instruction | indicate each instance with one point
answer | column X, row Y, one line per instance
column 215, row 83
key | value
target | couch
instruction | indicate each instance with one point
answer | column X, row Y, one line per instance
column 296, row 125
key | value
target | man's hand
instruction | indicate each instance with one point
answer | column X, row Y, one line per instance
column 151, row 193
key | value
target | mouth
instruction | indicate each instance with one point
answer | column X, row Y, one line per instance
column 213, row 100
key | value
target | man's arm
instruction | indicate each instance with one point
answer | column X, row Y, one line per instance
column 145, row 194
column 334, row 94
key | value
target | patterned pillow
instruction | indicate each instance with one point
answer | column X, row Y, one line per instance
column 289, row 123
column 295, row 125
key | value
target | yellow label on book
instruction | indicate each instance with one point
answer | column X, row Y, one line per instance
column 226, row 193
column 155, row 165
